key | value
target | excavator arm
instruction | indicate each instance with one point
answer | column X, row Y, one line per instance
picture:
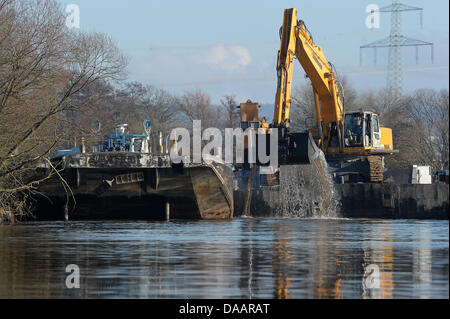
column 296, row 41
column 285, row 68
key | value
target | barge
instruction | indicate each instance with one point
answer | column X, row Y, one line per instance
column 123, row 179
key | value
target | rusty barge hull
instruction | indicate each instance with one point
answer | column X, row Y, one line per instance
column 134, row 186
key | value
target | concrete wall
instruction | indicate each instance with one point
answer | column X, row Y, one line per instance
column 265, row 202
column 394, row 201
column 303, row 191
column 390, row 201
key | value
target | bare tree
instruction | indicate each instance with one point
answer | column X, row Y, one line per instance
column 428, row 111
column 196, row 105
column 382, row 101
column 230, row 109
column 158, row 106
column 130, row 103
column 303, row 111
column 43, row 67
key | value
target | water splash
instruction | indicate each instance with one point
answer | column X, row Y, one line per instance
column 307, row 191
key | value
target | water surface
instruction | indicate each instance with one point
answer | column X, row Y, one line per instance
column 241, row 258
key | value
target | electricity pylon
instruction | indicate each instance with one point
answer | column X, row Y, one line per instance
column 395, row 41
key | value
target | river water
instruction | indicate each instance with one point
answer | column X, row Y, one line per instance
column 241, row 258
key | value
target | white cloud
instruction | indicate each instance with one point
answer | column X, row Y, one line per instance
column 227, row 58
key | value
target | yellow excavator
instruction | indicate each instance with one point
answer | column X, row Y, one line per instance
column 354, row 143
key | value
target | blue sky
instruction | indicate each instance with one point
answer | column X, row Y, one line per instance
column 230, row 47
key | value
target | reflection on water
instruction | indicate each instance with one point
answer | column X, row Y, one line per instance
column 242, row 258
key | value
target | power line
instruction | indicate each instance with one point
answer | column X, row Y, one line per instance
column 165, row 83
column 274, row 42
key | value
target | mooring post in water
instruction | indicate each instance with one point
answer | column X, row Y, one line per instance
column 66, row 212
column 167, row 211
column 247, row 207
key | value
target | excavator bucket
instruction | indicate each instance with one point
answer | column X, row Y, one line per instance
column 295, row 148
column 301, row 149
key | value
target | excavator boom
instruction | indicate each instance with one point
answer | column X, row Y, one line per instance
column 296, row 41
column 338, row 134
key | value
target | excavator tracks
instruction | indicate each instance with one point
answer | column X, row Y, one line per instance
column 376, row 170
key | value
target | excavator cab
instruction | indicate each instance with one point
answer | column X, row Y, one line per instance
column 354, row 129
column 362, row 129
